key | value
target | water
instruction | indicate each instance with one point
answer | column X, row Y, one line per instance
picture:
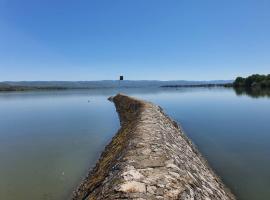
column 48, row 140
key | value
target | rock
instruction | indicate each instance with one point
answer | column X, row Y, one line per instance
column 150, row 158
column 132, row 187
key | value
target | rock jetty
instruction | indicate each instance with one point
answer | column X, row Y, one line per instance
column 150, row 158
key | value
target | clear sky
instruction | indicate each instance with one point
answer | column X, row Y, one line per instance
column 140, row 39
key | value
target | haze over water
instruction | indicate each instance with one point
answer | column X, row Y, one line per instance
column 49, row 140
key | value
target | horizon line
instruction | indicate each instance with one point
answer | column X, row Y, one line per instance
column 111, row 80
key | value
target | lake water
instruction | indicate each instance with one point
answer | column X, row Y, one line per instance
column 49, row 140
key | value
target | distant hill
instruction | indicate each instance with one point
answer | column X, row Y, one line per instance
column 102, row 84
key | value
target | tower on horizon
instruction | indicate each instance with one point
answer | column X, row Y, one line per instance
column 121, row 78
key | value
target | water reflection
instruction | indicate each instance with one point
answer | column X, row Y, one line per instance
column 253, row 92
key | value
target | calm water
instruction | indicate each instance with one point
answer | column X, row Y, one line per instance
column 48, row 140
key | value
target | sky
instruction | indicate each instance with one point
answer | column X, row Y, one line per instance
column 140, row 39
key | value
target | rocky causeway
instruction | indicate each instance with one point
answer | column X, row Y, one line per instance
column 150, row 158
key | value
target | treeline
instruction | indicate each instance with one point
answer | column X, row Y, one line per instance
column 255, row 80
column 7, row 88
column 199, row 85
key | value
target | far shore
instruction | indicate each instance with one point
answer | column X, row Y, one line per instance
column 10, row 88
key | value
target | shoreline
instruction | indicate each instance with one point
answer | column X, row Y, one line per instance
column 26, row 89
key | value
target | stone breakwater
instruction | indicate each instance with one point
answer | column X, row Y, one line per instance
column 150, row 158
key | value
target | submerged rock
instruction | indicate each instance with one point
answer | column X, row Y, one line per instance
column 150, row 158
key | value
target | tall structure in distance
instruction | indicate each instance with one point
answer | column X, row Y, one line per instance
column 121, row 78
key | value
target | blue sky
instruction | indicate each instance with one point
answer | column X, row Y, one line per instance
column 141, row 39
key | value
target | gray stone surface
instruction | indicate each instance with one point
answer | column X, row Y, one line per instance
column 150, row 158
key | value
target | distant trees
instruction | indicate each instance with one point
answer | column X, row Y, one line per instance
column 255, row 80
